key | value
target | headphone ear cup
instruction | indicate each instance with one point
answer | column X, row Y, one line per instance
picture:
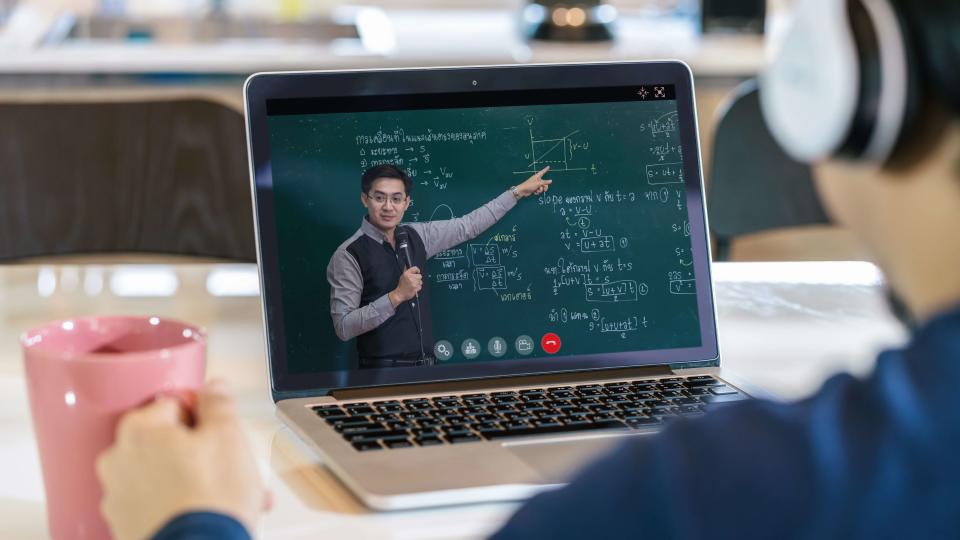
column 809, row 92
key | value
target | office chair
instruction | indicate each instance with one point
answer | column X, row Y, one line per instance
column 754, row 186
column 160, row 177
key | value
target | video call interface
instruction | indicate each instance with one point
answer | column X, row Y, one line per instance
column 600, row 263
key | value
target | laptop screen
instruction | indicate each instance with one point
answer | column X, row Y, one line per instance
column 597, row 270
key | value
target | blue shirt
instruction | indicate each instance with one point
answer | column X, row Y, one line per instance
column 873, row 458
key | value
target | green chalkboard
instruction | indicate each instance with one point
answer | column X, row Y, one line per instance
column 603, row 259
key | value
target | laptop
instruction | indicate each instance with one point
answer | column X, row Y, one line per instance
column 550, row 326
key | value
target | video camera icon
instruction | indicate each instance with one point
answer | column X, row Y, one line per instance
column 524, row 345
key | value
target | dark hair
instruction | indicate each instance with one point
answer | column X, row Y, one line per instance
column 934, row 31
column 385, row 171
column 932, row 34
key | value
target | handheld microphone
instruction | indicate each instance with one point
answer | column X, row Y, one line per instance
column 403, row 245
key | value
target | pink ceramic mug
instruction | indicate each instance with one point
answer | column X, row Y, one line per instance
column 82, row 375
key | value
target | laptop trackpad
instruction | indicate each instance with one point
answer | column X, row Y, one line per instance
column 557, row 460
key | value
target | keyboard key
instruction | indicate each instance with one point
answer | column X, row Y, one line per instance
column 725, row 398
column 691, row 409
column 428, row 440
column 448, row 404
column 722, row 390
column 643, row 421
column 420, row 406
column 490, row 429
column 701, row 383
column 398, row 444
column 546, row 422
column 519, row 432
column 351, row 421
column 330, row 410
column 367, row 445
column 390, row 408
column 368, row 430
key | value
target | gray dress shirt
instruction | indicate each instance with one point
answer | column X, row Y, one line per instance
column 346, row 282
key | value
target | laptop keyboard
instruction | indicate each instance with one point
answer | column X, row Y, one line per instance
column 455, row 419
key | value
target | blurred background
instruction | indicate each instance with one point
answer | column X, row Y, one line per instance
column 77, row 75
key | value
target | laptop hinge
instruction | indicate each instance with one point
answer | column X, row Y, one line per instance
column 487, row 384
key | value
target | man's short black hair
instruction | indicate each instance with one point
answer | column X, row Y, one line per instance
column 933, row 28
column 385, row 171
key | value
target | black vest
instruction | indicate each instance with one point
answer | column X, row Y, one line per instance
column 381, row 266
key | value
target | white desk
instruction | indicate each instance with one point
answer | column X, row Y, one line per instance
column 782, row 338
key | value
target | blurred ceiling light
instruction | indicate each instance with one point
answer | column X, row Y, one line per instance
column 93, row 280
column 375, row 31
column 534, row 13
column 146, row 280
column 605, row 13
column 233, row 281
column 46, row 281
column 69, row 278
column 559, row 16
column 576, row 16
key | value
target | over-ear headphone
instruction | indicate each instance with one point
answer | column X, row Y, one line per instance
column 842, row 82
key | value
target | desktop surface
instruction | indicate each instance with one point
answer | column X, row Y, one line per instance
column 780, row 336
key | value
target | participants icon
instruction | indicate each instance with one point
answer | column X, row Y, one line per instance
column 470, row 348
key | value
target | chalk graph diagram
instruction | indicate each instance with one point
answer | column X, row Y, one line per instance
column 556, row 152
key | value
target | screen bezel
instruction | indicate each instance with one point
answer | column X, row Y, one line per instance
column 397, row 82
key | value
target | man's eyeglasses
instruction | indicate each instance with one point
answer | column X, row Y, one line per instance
column 381, row 198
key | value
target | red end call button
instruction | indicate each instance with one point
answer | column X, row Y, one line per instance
column 550, row 343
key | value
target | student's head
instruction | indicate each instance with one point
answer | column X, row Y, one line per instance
column 895, row 184
column 385, row 193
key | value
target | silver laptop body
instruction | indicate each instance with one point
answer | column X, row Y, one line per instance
column 613, row 260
